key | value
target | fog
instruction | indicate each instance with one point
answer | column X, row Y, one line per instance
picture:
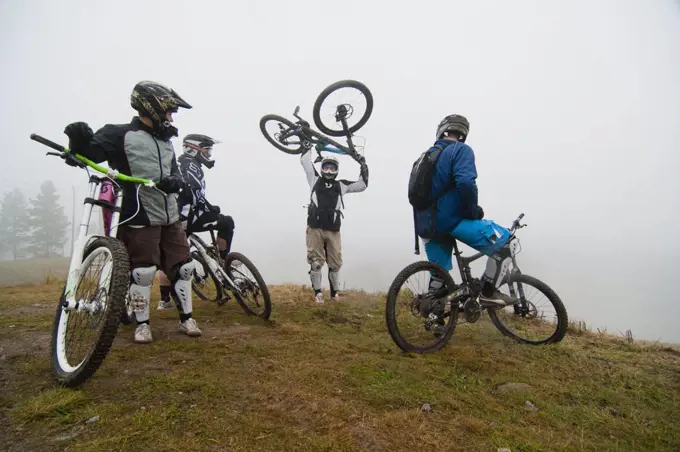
column 574, row 110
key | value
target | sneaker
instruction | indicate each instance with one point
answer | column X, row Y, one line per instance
column 189, row 327
column 499, row 299
column 336, row 297
column 143, row 334
column 319, row 298
column 163, row 305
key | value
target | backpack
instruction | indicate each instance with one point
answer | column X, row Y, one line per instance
column 420, row 194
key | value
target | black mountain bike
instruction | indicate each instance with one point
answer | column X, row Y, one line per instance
column 340, row 120
column 434, row 314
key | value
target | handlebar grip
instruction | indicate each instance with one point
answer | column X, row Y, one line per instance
column 48, row 143
column 521, row 215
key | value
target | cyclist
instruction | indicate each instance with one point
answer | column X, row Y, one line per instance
column 198, row 213
column 150, row 226
column 456, row 214
column 323, row 218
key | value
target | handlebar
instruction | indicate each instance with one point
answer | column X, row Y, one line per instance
column 83, row 162
column 516, row 224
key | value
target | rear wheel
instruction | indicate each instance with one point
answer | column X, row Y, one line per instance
column 82, row 337
column 348, row 99
column 418, row 319
column 539, row 318
column 276, row 129
column 251, row 291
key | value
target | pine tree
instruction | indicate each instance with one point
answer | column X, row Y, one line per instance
column 14, row 228
column 48, row 223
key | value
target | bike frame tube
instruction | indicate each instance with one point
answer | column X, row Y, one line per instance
column 115, row 217
column 200, row 246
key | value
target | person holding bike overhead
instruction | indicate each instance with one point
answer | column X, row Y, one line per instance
column 324, row 217
column 453, row 212
column 150, row 225
column 195, row 209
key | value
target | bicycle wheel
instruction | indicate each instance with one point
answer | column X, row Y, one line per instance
column 278, row 125
column 526, row 319
column 248, row 288
column 353, row 91
column 426, row 311
column 206, row 286
column 100, row 292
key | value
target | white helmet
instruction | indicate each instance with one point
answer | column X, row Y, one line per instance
column 200, row 147
column 329, row 168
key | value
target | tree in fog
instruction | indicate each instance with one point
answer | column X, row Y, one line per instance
column 48, row 223
column 14, row 227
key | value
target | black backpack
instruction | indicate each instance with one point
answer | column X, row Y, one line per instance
column 420, row 185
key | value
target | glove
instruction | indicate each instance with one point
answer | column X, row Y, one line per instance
column 480, row 212
column 79, row 136
column 360, row 159
column 170, row 184
column 363, row 171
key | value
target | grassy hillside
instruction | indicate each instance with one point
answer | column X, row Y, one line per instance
column 329, row 378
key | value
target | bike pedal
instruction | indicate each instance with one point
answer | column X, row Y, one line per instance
column 223, row 300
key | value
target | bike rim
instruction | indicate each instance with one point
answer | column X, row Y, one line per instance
column 246, row 287
column 412, row 311
column 534, row 319
column 275, row 130
column 348, row 99
column 92, row 288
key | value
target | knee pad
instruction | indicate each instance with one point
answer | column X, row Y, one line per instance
column 182, row 285
column 315, row 277
column 496, row 269
column 140, row 291
column 316, row 266
column 334, row 280
column 226, row 222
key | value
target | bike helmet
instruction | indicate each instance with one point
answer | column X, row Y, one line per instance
column 329, row 168
column 457, row 125
column 200, row 147
column 154, row 101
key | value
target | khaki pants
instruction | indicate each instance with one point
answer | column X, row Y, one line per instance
column 324, row 246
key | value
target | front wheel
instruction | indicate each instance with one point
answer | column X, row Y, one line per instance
column 420, row 319
column 347, row 99
column 539, row 317
column 82, row 337
column 250, row 290
column 276, row 129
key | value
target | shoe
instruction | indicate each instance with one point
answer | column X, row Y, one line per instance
column 189, row 327
column 336, row 297
column 319, row 298
column 164, row 305
column 498, row 298
column 143, row 334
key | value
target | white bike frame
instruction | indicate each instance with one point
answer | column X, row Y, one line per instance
column 198, row 244
column 83, row 240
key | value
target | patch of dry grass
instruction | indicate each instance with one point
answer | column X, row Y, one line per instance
column 329, row 378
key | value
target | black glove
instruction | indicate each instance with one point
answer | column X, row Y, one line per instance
column 170, row 184
column 79, row 136
column 364, row 170
column 480, row 212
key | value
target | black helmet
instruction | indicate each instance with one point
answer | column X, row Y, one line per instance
column 454, row 123
column 154, row 101
column 198, row 146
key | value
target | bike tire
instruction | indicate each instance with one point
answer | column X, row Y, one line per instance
column 272, row 140
column 231, row 257
column 118, row 287
column 316, row 113
column 562, row 318
column 390, row 307
column 209, row 275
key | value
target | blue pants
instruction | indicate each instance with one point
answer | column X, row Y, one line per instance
column 483, row 235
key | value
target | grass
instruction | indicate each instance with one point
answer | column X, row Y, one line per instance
column 329, row 378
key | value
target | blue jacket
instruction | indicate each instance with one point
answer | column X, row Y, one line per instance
column 456, row 163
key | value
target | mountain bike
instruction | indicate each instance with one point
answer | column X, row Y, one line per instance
column 97, row 285
column 298, row 137
column 435, row 313
column 210, row 267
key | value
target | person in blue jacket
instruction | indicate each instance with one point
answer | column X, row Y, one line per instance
column 457, row 214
